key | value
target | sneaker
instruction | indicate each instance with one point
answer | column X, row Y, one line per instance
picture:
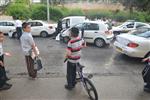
column 69, row 87
column 7, row 79
column 6, row 87
column 146, row 88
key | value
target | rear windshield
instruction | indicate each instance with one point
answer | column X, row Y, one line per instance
column 145, row 34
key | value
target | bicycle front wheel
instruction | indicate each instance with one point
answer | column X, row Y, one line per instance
column 91, row 90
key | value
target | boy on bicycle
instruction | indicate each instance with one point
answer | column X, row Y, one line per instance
column 73, row 53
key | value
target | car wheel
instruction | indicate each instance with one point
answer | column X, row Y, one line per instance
column 99, row 42
column 44, row 34
column 14, row 35
column 66, row 39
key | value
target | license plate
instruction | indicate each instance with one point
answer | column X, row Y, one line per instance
column 119, row 49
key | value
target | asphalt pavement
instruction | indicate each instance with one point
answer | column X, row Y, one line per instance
column 116, row 76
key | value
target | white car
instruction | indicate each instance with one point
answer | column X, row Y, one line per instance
column 127, row 26
column 38, row 28
column 94, row 32
column 7, row 26
column 134, row 45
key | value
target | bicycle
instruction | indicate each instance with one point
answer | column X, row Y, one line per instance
column 87, row 83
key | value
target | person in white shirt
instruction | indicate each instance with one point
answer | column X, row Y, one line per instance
column 29, row 47
column 18, row 28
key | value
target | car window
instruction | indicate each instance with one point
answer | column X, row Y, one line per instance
column 39, row 24
column 139, row 25
column 10, row 24
column 3, row 24
column 145, row 34
column 79, row 26
column 91, row 26
column 32, row 24
column 131, row 25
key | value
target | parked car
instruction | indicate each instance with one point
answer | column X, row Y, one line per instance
column 140, row 30
column 38, row 28
column 127, row 26
column 7, row 26
column 134, row 45
column 94, row 32
column 70, row 21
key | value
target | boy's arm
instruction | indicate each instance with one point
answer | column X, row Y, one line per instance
column 1, row 63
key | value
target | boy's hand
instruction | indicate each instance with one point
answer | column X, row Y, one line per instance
column 8, row 54
column 1, row 63
column 145, row 59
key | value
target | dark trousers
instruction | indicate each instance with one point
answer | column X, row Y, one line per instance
column 30, row 67
column 19, row 32
column 2, row 72
column 71, row 73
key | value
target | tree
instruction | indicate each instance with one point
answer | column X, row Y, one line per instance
column 141, row 5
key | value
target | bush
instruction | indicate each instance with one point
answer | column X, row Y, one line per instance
column 55, row 13
column 18, row 11
column 39, row 12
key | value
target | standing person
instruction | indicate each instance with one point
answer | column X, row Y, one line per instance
column 3, row 78
column 59, row 28
column 73, row 53
column 18, row 28
column 29, row 48
column 146, row 75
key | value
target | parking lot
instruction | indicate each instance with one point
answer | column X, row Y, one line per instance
column 98, row 61
column 116, row 76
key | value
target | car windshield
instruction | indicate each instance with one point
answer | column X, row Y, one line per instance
column 139, row 30
column 145, row 34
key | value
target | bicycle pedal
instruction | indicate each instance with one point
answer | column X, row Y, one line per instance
column 90, row 76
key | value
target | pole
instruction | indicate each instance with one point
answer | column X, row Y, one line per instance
column 48, row 14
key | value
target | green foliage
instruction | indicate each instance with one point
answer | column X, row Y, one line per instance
column 18, row 11
column 39, row 12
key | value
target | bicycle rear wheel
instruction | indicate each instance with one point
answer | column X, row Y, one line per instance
column 91, row 90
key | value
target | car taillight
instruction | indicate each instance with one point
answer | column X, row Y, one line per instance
column 132, row 45
column 50, row 27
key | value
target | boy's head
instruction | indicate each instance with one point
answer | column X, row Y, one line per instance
column 1, row 36
column 26, row 27
column 74, row 32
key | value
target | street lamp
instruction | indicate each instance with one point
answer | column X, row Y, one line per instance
column 48, row 14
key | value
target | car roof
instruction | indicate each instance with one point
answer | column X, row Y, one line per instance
column 7, row 21
column 69, row 17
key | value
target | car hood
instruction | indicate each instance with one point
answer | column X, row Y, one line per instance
column 116, row 28
column 131, row 37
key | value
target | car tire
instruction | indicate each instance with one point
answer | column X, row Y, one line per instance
column 66, row 39
column 99, row 42
column 44, row 34
column 14, row 35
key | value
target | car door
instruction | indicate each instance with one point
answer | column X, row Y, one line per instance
column 130, row 26
column 36, row 28
column 10, row 26
column 3, row 27
column 90, row 31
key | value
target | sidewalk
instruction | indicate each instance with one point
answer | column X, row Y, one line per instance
column 108, row 87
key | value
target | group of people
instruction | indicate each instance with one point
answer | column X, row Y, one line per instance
column 30, row 50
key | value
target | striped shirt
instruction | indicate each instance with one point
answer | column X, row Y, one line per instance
column 75, row 45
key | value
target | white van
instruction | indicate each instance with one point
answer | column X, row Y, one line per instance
column 70, row 21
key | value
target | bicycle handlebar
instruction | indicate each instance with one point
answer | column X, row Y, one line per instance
column 65, row 60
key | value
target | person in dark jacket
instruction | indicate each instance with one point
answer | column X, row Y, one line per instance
column 3, row 77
